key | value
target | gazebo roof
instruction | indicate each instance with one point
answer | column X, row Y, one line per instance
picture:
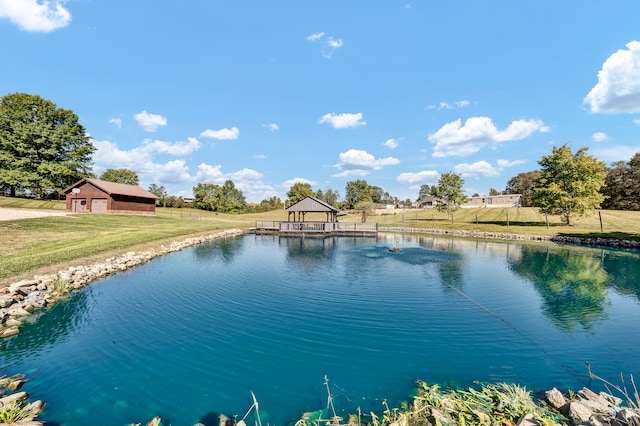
column 311, row 204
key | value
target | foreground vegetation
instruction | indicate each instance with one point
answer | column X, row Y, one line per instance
column 32, row 246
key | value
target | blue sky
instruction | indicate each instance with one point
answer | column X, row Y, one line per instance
column 269, row 93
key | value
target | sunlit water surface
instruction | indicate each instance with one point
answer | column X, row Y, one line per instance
column 192, row 334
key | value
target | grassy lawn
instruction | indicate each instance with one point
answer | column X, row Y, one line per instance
column 42, row 245
column 528, row 221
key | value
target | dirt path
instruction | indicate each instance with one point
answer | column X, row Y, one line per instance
column 7, row 213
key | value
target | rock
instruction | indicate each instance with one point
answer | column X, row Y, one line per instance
column 579, row 411
column 6, row 301
column 15, row 384
column 612, row 399
column 628, row 416
column 11, row 331
column 23, row 287
column 14, row 397
column 555, row 398
column 17, row 311
column 12, row 322
column 35, row 408
column 528, row 420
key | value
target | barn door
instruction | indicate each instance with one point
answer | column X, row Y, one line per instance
column 79, row 205
column 99, row 205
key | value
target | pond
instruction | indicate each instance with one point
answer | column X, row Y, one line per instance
column 190, row 335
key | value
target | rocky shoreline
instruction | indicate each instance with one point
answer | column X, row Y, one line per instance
column 20, row 299
column 561, row 239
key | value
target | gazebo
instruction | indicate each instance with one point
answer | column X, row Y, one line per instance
column 311, row 205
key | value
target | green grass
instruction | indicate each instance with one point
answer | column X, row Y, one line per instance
column 527, row 221
column 31, row 246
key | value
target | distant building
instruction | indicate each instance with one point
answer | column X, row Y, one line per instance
column 100, row 196
column 428, row 202
column 508, row 200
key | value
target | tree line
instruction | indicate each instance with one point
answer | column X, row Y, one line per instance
column 44, row 149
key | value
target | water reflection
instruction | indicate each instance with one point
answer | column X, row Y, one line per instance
column 626, row 280
column 309, row 253
column 47, row 329
column 573, row 283
column 223, row 248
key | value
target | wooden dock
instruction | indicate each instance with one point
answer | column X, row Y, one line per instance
column 316, row 229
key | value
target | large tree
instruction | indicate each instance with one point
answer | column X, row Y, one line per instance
column 42, row 147
column 448, row 193
column 425, row 191
column 121, row 176
column 224, row 199
column 622, row 185
column 160, row 192
column 298, row 191
column 523, row 184
column 329, row 196
column 569, row 184
column 357, row 191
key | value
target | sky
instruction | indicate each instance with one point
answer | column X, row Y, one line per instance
column 270, row 93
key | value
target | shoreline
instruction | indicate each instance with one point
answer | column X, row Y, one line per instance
column 505, row 236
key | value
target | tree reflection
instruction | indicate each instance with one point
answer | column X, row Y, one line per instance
column 224, row 248
column 626, row 279
column 310, row 253
column 572, row 284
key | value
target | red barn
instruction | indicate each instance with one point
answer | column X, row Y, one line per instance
column 100, row 196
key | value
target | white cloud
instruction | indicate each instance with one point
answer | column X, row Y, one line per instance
column 222, row 134
column 260, row 156
column 210, row 174
column 446, row 105
column 35, row 15
column 176, row 148
column 391, row 143
column 115, row 121
column 600, row 137
column 329, row 44
column 477, row 170
column 618, row 87
column 175, row 171
column 139, row 159
column 289, row 183
column 356, row 162
column 502, row 164
column 343, row 121
column 272, row 127
column 612, row 153
column 315, row 37
column 150, row 122
column 108, row 155
column 424, row 177
column 636, row 122
column 455, row 139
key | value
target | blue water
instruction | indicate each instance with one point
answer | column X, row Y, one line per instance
column 190, row 335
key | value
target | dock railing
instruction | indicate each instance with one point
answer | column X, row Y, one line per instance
column 316, row 227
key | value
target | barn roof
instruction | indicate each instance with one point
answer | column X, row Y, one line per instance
column 311, row 204
column 112, row 188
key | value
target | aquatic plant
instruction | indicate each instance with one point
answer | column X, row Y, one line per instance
column 59, row 289
column 488, row 405
column 15, row 411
